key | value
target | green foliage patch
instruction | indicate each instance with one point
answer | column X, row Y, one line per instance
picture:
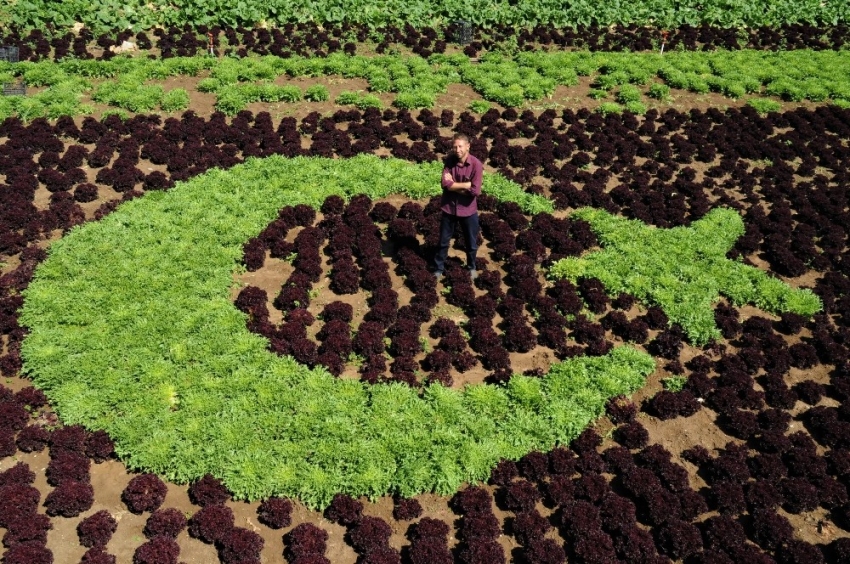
column 764, row 106
column 683, row 270
column 175, row 100
column 317, row 93
column 674, row 383
column 108, row 15
column 132, row 330
column 416, row 82
column 479, row 106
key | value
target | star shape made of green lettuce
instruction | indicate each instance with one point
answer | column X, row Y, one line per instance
column 683, row 270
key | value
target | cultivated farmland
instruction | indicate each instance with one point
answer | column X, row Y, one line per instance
column 222, row 340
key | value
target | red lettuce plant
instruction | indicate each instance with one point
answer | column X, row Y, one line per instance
column 679, row 539
column 369, row 534
column 16, row 500
column 275, row 512
column 240, row 545
column 211, row 523
column 68, row 465
column 97, row 555
column 32, row 552
column 99, row 447
column 69, row 499
column 69, row 438
column 165, row 522
column 145, row 492
column 97, row 529
column 208, row 491
column 344, row 510
column 484, row 526
column 528, row 526
column 13, row 417
column 158, row 550
column 25, row 529
column 633, row 435
column 406, row 509
column 306, row 543
column 31, row 397
column 19, row 474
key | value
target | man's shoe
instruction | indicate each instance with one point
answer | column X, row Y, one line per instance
column 473, row 273
column 438, row 275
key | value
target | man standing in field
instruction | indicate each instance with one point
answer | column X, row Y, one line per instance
column 461, row 187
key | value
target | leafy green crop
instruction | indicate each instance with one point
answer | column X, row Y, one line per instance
column 628, row 93
column 674, row 383
column 129, row 94
column 368, row 101
column 597, row 93
column 530, row 76
column 317, row 93
column 359, row 99
column 108, row 15
column 607, row 108
column 347, row 98
column 637, row 108
column 683, row 270
column 659, row 91
column 175, row 100
column 132, row 330
column 764, row 106
column 479, row 106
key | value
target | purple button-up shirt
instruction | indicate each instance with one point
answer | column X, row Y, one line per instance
column 461, row 204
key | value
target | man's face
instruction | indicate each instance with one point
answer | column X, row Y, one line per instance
column 461, row 148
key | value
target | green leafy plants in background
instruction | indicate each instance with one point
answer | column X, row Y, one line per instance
column 317, row 93
column 413, row 100
column 659, row 91
column 163, row 361
column 130, row 83
column 607, row 108
column 597, row 93
column 479, row 106
column 59, row 100
column 764, row 105
column 233, row 98
column 129, row 94
column 368, row 101
column 360, row 99
column 683, row 270
column 122, row 115
column 346, row 98
column 637, row 108
column 628, row 93
column 108, row 15
column 175, row 100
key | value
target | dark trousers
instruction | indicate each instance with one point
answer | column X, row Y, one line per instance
column 469, row 226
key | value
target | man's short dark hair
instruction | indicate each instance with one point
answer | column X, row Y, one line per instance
column 461, row 137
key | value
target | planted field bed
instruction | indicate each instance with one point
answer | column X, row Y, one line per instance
column 617, row 81
column 308, row 39
column 221, row 340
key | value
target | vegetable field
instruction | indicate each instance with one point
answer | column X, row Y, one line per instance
column 221, row 339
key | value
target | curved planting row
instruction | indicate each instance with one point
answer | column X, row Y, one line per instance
column 190, row 380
